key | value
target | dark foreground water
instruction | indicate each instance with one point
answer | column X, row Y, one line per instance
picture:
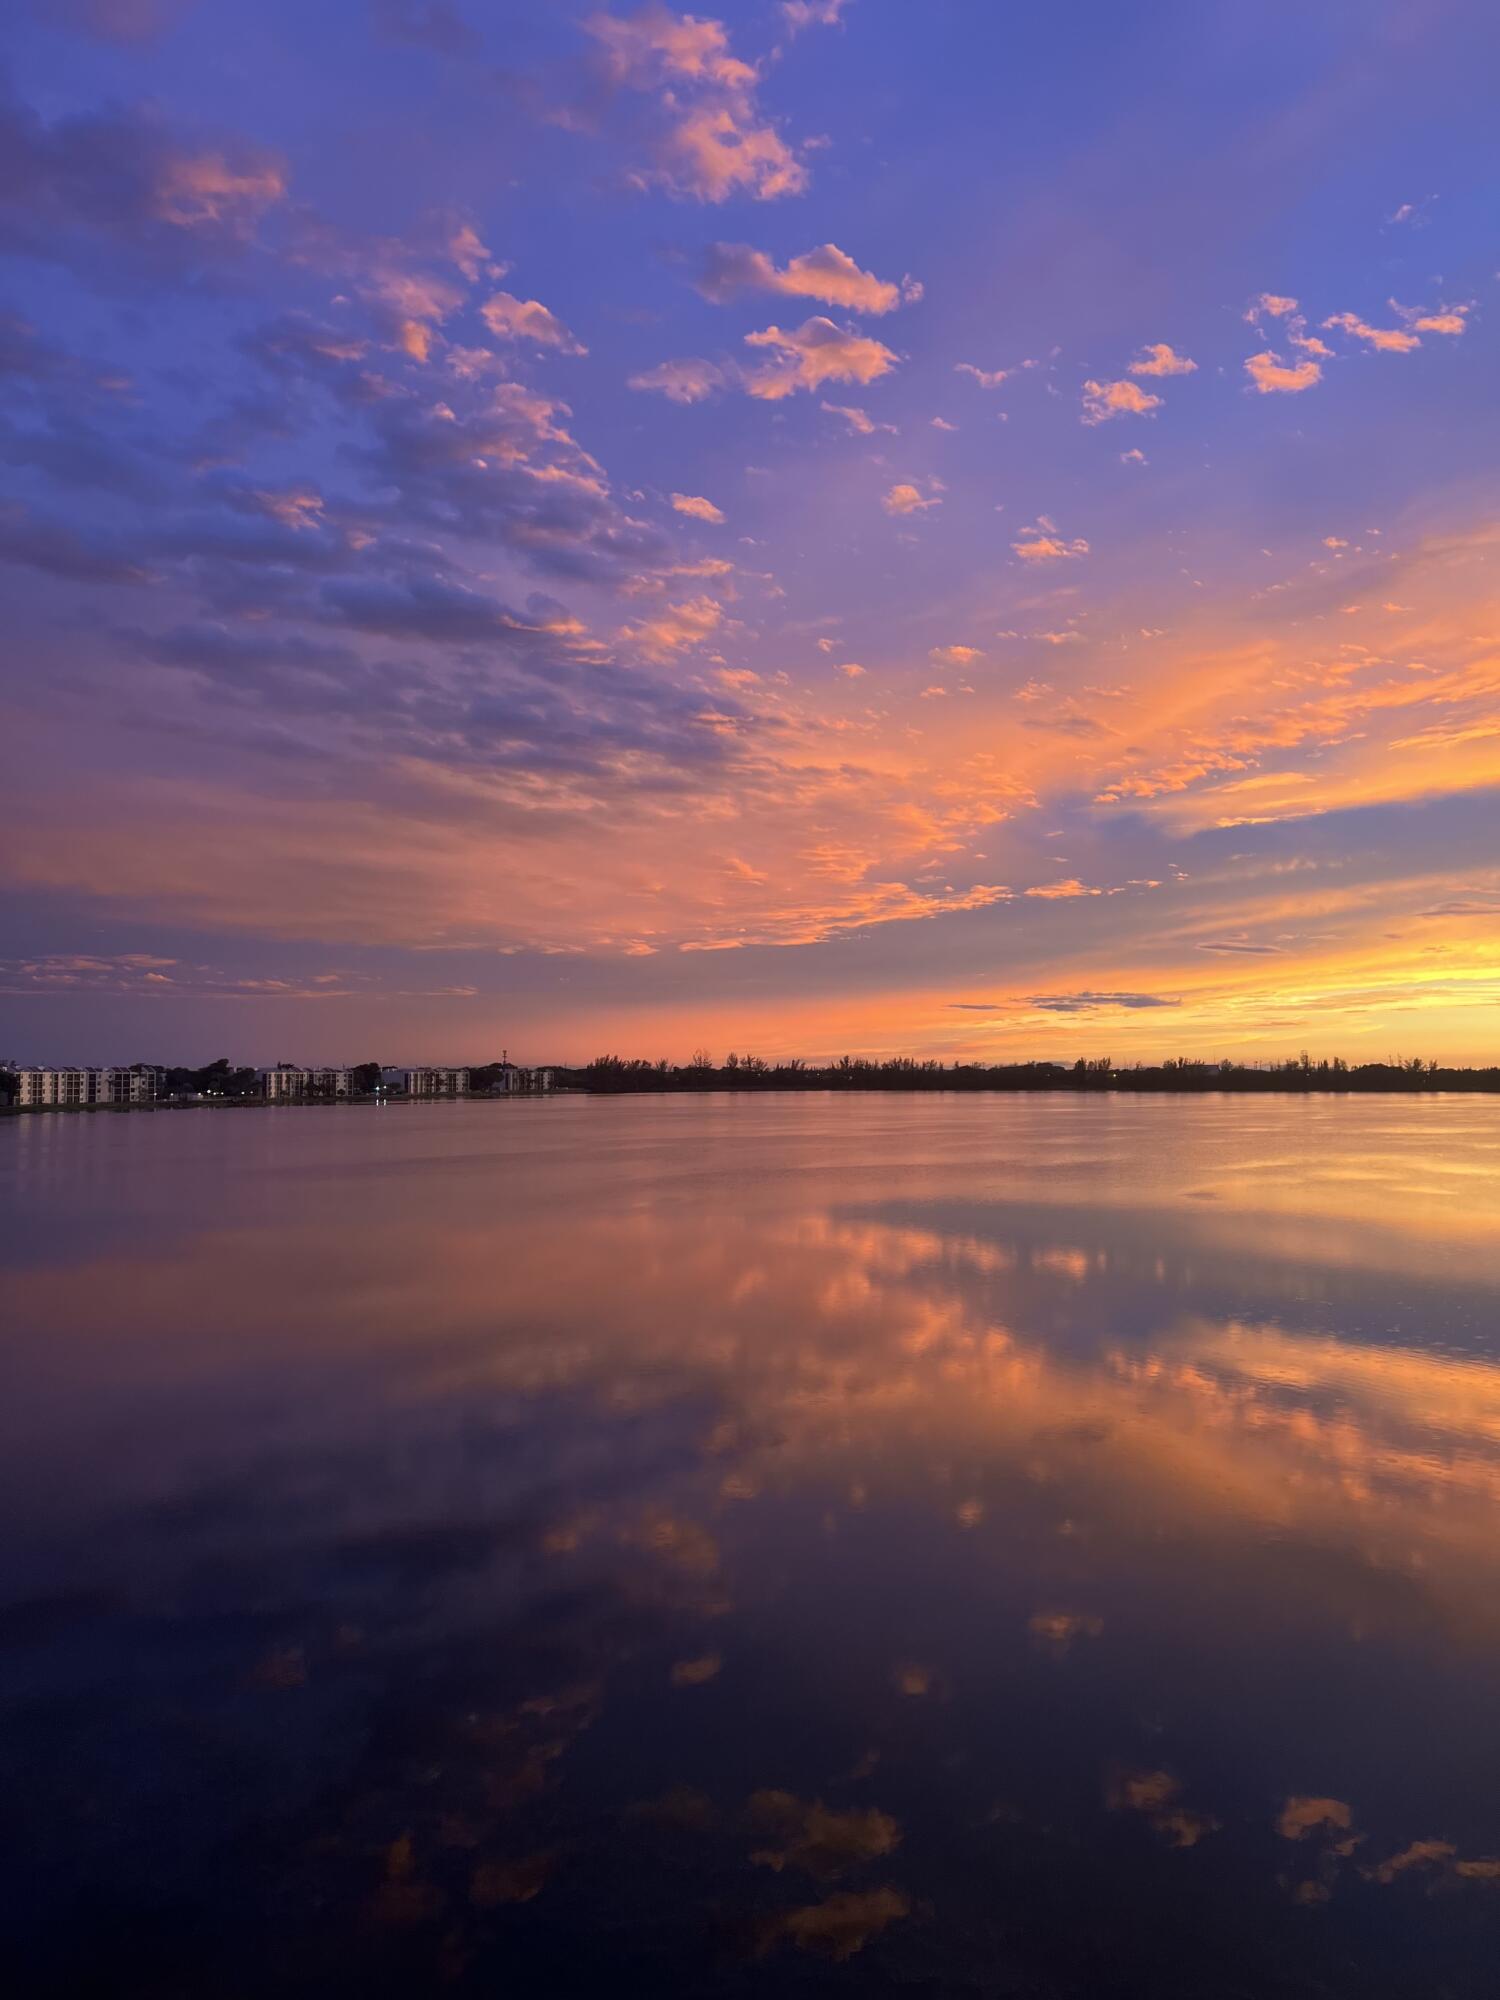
column 979, row 1546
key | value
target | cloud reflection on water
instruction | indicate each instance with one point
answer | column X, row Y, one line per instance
column 901, row 1527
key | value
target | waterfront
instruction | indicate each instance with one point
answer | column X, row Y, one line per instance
column 983, row 1545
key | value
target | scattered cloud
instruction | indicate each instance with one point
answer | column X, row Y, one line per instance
column 987, row 378
column 697, row 507
column 1442, row 319
column 510, row 318
column 816, row 1840
column 859, row 422
column 1272, row 376
column 115, row 191
column 685, row 381
column 1042, row 543
column 800, row 14
column 711, row 140
column 1088, row 1002
column 1385, row 339
column 1157, row 1795
column 1270, row 305
column 826, row 274
column 1103, row 400
column 904, row 498
column 1160, row 359
column 1301, row 1816
column 1062, row 892
column 954, row 656
column 674, row 629
column 812, row 354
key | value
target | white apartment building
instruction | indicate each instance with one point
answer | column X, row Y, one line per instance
column 436, row 1082
column 515, row 1081
column 286, row 1083
column 45, row 1088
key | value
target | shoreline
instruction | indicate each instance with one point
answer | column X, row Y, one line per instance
column 1484, row 1084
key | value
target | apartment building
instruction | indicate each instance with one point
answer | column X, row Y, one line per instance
column 45, row 1088
column 435, row 1082
column 287, row 1083
column 515, row 1081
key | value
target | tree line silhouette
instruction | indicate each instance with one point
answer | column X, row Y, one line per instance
column 1182, row 1074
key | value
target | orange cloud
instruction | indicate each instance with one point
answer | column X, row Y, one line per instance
column 905, row 498
column 1302, row 1816
column 987, row 378
column 675, row 628
column 1446, row 319
column 1043, row 543
column 812, row 354
column 1270, row 305
column 827, row 274
column 711, row 142
column 1103, row 400
column 712, row 153
column 510, row 318
column 1160, row 359
column 1386, row 339
column 695, row 506
column 654, row 43
column 198, row 189
column 860, row 424
column 1057, row 892
column 1273, row 376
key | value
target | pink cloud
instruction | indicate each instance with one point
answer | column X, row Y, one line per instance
column 712, row 152
column 1160, row 359
column 694, row 505
column 1057, row 892
column 654, row 44
column 1445, row 319
column 685, row 381
column 675, row 628
column 510, row 318
column 826, row 273
column 198, row 189
column 1273, row 376
column 297, row 507
column 1385, row 339
column 859, row 423
column 905, row 498
column 1103, row 400
column 800, row 14
column 1043, row 543
column 1270, row 305
column 987, row 378
column 711, row 142
column 471, row 255
column 811, row 354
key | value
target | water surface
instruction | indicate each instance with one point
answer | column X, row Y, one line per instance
column 965, row 1546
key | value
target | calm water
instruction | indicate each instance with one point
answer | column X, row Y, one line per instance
column 1005, row 1547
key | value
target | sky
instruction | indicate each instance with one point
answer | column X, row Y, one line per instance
column 957, row 529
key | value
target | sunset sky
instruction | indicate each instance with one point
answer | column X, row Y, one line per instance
column 880, row 525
